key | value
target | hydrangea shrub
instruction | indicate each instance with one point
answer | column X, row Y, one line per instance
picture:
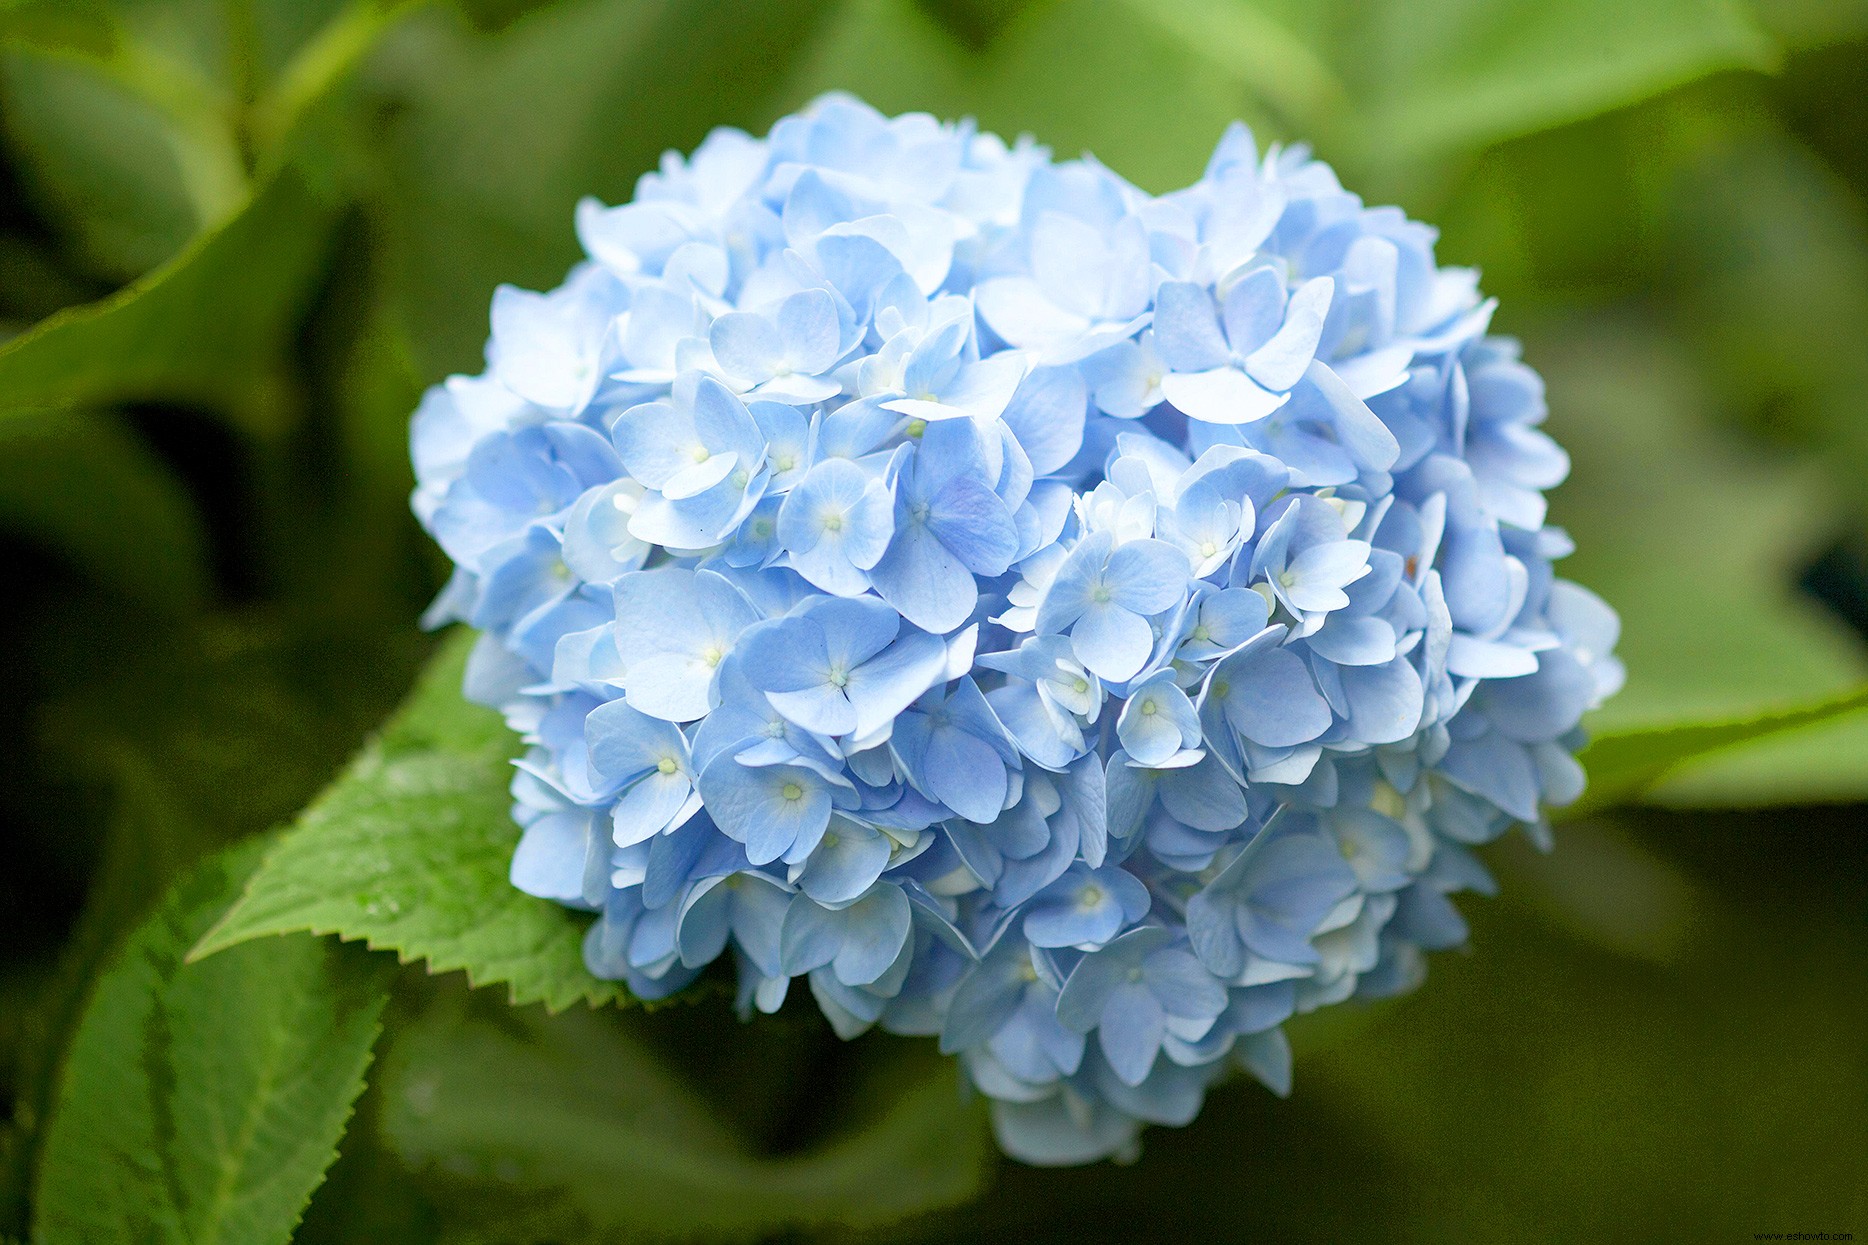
column 1082, row 627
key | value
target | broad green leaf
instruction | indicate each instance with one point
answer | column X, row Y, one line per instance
column 1818, row 763
column 202, row 1102
column 1627, row 764
column 209, row 326
column 409, row 851
column 1430, row 79
column 590, row 1135
column 1388, row 85
column 82, row 484
column 499, row 135
column 144, row 123
column 1695, row 538
column 125, row 132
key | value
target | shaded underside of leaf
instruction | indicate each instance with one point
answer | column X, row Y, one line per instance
column 203, row 1102
column 409, row 851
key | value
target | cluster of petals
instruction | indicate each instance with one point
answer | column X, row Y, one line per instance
column 1080, row 626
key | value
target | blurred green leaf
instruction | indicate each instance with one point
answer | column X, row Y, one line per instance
column 203, row 1102
column 1771, row 249
column 498, row 136
column 126, row 133
column 178, row 735
column 145, row 123
column 1812, row 23
column 573, row 1129
column 977, row 22
column 1694, row 538
column 209, row 326
column 409, row 851
column 1818, row 763
column 1079, row 75
column 1429, row 79
column 240, row 717
column 1626, row 764
column 82, row 484
column 1255, row 44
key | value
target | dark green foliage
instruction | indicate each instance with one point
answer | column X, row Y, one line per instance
column 202, row 1102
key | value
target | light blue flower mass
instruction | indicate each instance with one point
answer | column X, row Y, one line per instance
column 1085, row 625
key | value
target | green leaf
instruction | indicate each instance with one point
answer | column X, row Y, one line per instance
column 499, row 135
column 125, row 133
column 409, row 851
column 1626, row 764
column 209, row 326
column 148, row 841
column 590, row 1135
column 1433, row 79
column 145, row 123
column 1773, row 249
column 84, row 485
column 1816, row 763
column 202, row 1103
column 1695, row 538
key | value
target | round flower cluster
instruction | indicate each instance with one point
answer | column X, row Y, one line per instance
column 1082, row 626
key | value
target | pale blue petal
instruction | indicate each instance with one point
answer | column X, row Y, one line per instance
column 974, row 524
column 1112, row 642
column 1132, row 1027
column 768, row 809
column 1271, row 699
column 807, row 322
column 846, row 861
column 1187, row 334
column 747, row 345
column 1147, row 576
column 1281, row 362
column 876, row 928
column 923, row 579
column 1221, row 395
column 1254, row 309
column 894, row 679
column 648, row 807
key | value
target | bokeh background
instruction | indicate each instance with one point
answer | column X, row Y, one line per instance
column 238, row 237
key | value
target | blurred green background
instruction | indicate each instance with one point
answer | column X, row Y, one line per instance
column 238, row 237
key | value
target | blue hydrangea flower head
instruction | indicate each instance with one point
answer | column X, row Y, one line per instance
column 1081, row 626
